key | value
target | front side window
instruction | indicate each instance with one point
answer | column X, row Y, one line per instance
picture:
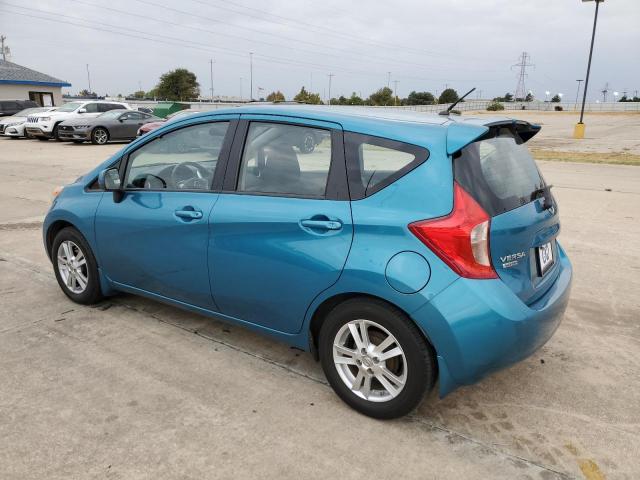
column 92, row 108
column 286, row 160
column 375, row 162
column 184, row 159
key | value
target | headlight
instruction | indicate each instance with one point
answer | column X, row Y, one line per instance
column 44, row 119
column 14, row 124
column 56, row 191
column 78, row 127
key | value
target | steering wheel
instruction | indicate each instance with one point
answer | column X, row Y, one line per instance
column 189, row 175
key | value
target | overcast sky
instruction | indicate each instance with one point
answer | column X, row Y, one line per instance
column 425, row 44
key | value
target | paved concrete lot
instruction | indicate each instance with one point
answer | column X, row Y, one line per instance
column 133, row 389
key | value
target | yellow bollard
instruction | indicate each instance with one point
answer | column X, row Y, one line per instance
column 578, row 132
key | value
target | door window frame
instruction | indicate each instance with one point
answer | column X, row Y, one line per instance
column 218, row 176
column 337, row 187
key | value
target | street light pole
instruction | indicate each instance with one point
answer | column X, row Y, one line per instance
column 577, row 94
column 251, row 74
column 579, row 130
column 211, row 64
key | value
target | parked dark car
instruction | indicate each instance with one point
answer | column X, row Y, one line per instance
column 11, row 107
column 111, row 125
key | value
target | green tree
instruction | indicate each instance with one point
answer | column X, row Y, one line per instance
column 384, row 96
column 448, row 96
column 508, row 97
column 306, row 97
column 420, row 98
column 556, row 98
column 139, row 94
column 355, row 100
column 87, row 94
column 529, row 97
column 495, row 106
column 277, row 96
column 178, row 84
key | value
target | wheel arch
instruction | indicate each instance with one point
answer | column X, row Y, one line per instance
column 53, row 230
column 330, row 303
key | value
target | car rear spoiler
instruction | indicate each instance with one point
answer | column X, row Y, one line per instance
column 461, row 134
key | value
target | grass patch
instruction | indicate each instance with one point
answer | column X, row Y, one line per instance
column 619, row 158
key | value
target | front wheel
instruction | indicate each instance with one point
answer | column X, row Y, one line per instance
column 375, row 358
column 99, row 136
column 54, row 133
column 75, row 267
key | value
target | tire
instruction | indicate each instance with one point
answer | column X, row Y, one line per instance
column 308, row 143
column 99, row 136
column 43, row 139
column 78, row 141
column 67, row 247
column 54, row 133
column 413, row 368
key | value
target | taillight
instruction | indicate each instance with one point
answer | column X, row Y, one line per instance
column 461, row 239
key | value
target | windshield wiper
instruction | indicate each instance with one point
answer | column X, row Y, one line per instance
column 546, row 192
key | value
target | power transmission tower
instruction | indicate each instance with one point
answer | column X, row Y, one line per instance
column 604, row 92
column 521, row 89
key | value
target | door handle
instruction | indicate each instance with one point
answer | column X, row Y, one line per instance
column 188, row 214
column 322, row 224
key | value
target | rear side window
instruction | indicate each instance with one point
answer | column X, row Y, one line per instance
column 498, row 172
column 374, row 162
column 283, row 159
column 92, row 107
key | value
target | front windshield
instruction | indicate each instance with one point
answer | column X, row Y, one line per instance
column 111, row 114
column 70, row 107
column 31, row 111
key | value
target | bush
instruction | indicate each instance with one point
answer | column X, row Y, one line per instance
column 495, row 106
column 558, row 108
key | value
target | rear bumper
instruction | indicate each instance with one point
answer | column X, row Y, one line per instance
column 480, row 326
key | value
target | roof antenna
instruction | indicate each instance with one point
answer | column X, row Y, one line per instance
column 448, row 110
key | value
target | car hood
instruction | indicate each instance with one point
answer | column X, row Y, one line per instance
column 12, row 119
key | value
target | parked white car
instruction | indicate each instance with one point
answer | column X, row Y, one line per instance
column 13, row 126
column 44, row 126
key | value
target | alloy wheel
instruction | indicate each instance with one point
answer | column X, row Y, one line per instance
column 72, row 266
column 370, row 360
column 101, row 136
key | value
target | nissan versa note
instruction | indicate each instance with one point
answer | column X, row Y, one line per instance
column 404, row 249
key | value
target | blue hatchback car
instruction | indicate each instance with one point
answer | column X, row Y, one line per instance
column 400, row 249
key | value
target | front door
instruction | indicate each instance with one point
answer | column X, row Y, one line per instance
column 283, row 234
column 156, row 238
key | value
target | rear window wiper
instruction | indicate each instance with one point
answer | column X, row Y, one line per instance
column 546, row 193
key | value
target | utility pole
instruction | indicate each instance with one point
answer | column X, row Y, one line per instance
column 578, row 93
column 2, row 50
column 89, row 78
column 311, row 85
column 395, row 92
column 388, row 79
column 211, row 62
column 331, row 75
column 579, row 129
column 251, row 72
column 521, row 89
column 241, row 89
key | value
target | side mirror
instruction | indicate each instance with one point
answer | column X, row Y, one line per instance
column 109, row 180
column 82, row 110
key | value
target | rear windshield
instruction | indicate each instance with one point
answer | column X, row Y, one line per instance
column 498, row 172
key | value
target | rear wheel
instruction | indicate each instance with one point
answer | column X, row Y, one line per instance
column 375, row 358
column 99, row 136
column 43, row 139
column 78, row 141
column 75, row 267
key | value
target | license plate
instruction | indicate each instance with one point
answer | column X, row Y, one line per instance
column 545, row 257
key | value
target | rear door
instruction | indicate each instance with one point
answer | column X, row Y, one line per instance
column 501, row 175
column 282, row 229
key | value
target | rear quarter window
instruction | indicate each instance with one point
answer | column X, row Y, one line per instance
column 374, row 163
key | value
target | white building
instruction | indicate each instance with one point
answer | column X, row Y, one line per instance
column 22, row 83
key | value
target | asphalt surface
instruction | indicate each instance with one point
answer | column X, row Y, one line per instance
column 134, row 389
